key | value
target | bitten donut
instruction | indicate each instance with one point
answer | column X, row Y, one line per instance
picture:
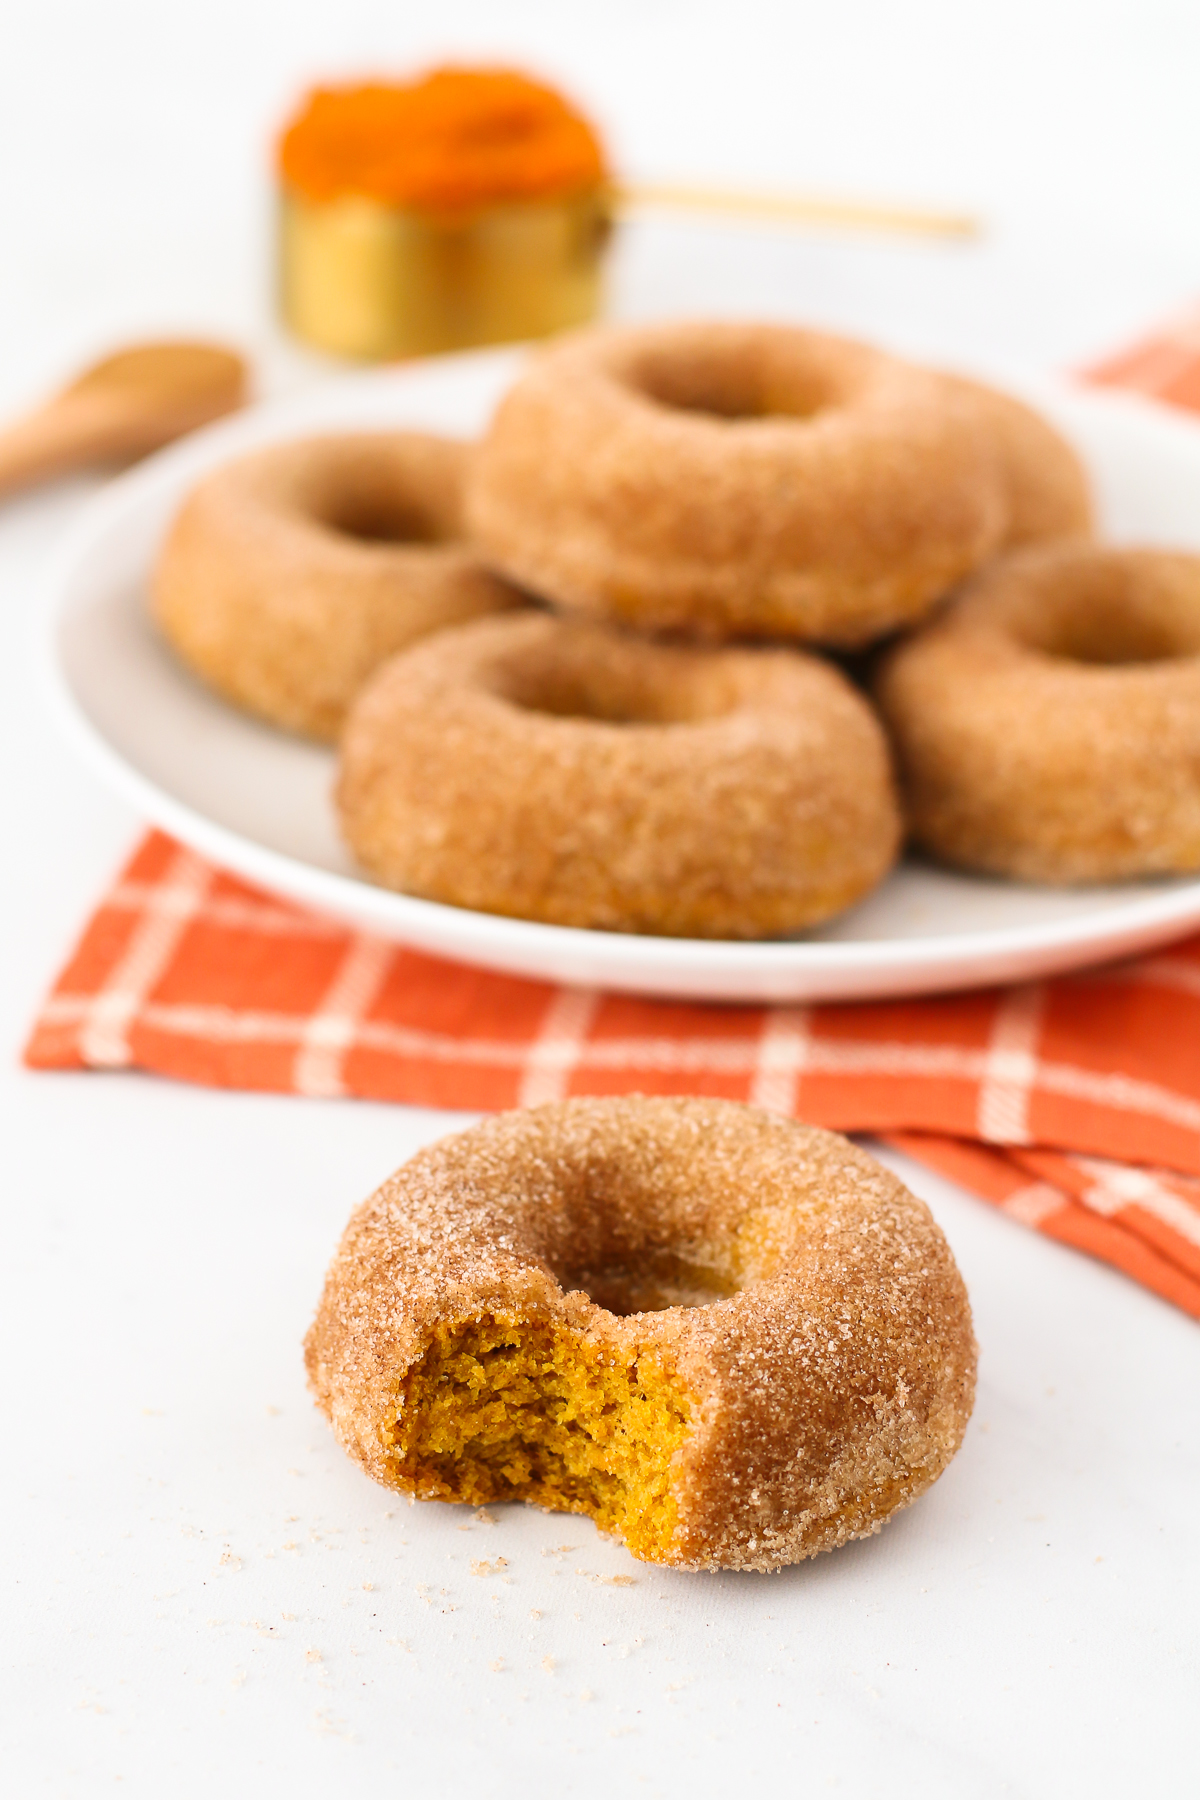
column 1048, row 724
column 730, row 480
column 731, row 1339
column 290, row 574
column 554, row 769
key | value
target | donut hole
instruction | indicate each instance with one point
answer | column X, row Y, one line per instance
column 382, row 517
column 1116, row 642
column 505, row 1409
column 731, row 383
column 385, row 489
column 590, row 678
column 1113, row 615
column 656, row 1282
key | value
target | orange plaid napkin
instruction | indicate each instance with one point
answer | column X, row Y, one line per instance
column 1165, row 365
column 1073, row 1104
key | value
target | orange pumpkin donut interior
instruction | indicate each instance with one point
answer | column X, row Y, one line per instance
column 731, row 1339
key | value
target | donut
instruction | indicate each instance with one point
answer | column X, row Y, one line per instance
column 1047, row 726
column 291, row 573
column 1046, row 486
column 732, row 1339
column 756, row 480
column 556, row 769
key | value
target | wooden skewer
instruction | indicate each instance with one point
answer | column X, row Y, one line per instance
column 122, row 408
column 799, row 209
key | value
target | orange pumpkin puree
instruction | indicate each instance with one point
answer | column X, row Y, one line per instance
column 454, row 140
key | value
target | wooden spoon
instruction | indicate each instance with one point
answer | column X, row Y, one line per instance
column 122, row 408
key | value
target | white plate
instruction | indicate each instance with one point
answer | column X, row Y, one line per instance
column 257, row 801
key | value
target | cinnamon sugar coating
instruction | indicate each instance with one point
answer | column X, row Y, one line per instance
column 1048, row 724
column 292, row 573
column 554, row 769
column 749, row 480
column 733, row 1339
column 1047, row 488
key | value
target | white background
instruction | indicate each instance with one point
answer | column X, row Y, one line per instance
column 203, row 1595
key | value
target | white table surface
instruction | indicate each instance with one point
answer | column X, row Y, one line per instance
column 202, row 1595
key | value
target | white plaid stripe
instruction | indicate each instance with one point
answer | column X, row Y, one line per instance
column 335, row 1025
column 169, row 908
column 658, row 1055
column 783, row 1051
column 231, row 912
column 1114, row 1186
column 558, row 1046
column 1010, row 1067
column 1033, row 1204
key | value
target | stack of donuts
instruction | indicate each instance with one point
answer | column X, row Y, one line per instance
column 594, row 670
